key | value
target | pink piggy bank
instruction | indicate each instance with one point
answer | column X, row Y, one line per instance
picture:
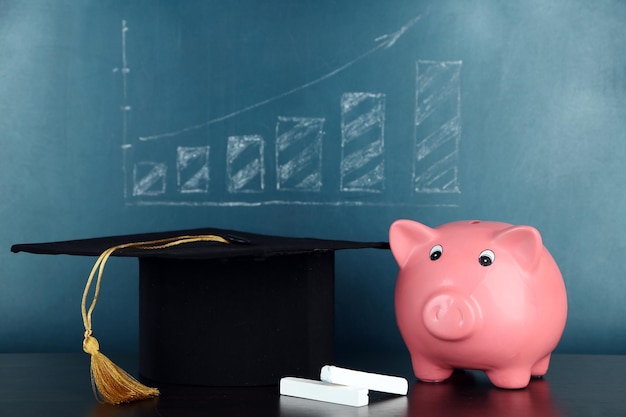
column 477, row 295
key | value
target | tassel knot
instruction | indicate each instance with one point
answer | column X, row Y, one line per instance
column 91, row 345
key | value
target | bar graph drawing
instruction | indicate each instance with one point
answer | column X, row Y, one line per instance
column 362, row 142
column 192, row 165
column 299, row 153
column 437, row 127
column 306, row 159
column 149, row 178
column 245, row 164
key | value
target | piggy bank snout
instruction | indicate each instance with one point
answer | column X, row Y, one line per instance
column 449, row 316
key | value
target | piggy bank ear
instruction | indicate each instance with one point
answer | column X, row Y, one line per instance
column 405, row 236
column 523, row 242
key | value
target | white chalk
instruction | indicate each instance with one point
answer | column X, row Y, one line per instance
column 371, row 381
column 324, row 391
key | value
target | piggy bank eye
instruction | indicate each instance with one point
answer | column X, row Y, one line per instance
column 435, row 252
column 486, row 257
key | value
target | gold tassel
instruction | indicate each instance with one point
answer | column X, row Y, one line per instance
column 111, row 384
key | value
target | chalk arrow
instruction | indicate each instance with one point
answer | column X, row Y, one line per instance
column 383, row 42
column 388, row 40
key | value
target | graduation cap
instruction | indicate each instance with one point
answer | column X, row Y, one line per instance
column 216, row 307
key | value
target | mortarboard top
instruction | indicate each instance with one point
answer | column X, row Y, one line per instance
column 214, row 314
column 244, row 244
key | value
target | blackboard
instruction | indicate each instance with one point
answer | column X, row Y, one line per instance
column 311, row 118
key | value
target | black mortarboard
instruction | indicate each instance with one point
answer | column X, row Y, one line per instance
column 243, row 313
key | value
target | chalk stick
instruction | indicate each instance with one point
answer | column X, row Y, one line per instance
column 371, row 381
column 324, row 391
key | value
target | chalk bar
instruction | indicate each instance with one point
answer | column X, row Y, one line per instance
column 324, row 391
column 371, row 381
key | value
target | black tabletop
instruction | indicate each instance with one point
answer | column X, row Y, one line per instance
column 576, row 385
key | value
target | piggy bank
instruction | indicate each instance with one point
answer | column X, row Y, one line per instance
column 477, row 295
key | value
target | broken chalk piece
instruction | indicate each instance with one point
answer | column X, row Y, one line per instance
column 324, row 391
column 371, row 381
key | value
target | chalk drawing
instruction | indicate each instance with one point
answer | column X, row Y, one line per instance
column 125, row 107
column 149, row 178
column 295, row 156
column 382, row 42
column 299, row 153
column 437, row 127
column 192, row 168
column 245, row 164
column 362, row 142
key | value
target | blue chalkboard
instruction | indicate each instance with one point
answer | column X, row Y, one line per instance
column 308, row 118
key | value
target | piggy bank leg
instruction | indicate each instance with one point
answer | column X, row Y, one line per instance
column 510, row 378
column 541, row 367
column 428, row 371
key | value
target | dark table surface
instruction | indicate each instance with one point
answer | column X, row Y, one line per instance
column 576, row 385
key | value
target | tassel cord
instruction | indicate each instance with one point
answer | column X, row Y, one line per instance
column 147, row 245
